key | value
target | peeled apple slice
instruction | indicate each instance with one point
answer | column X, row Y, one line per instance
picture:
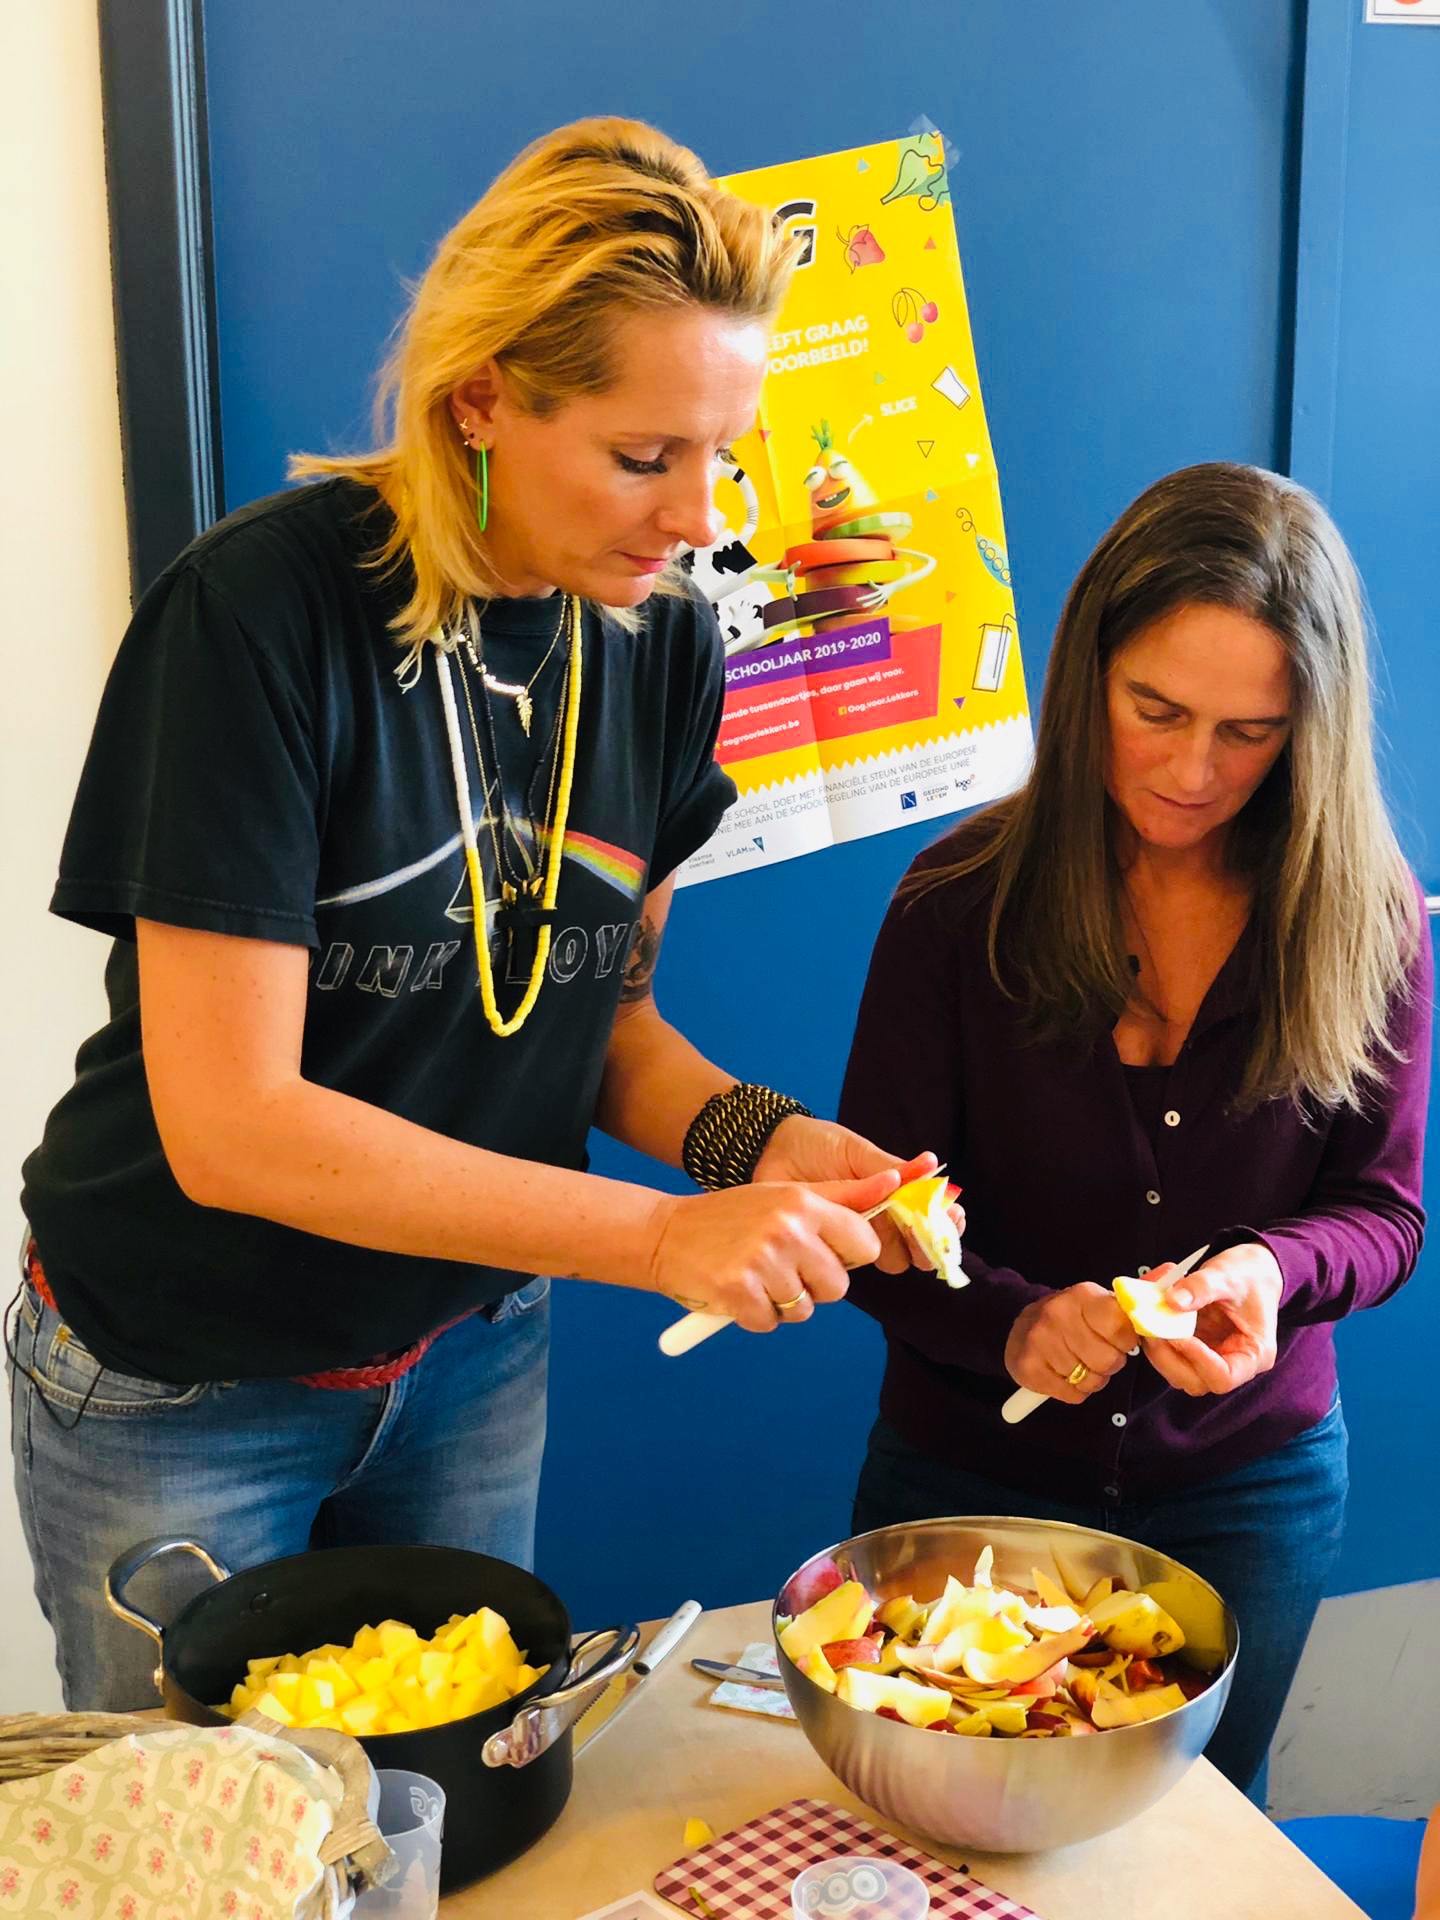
column 1149, row 1312
column 859, row 1687
column 1113, row 1708
column 1134, row 1623
column 921, row 1208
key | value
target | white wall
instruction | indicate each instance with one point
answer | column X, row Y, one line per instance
column 66, row 596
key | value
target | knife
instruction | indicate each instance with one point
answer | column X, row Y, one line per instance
column 742, row 1676
column 621, row 1690
column 681, row 1335
column 1025, row 1399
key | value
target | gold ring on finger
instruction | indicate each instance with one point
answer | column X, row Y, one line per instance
column 784, row 1306
column 1078, row 1374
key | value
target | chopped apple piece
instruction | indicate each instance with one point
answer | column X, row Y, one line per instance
column 1150, row 1313
column 396, row 1638
column 843, row 1614
column 276, row 1709
column 1101, row 1590
column 1051, row 1619
column 988, row 1639
column 864, row 1652
column 1199, row 1615
column 1049, row 1592
column 1112, row 1708
column 814, row 1665
column 904, row 1617
column 957, row 1605
column 1025, row 1662
column 362, row 1715
column 1006, row 1716
column 916, row 1705
column 1135, row 1623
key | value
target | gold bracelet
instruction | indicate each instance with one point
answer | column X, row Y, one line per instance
column 725, row 1140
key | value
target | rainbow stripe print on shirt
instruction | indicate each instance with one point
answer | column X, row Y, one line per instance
column 619, row 869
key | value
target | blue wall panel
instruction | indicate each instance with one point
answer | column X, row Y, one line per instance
column 1123, row 195
column 1368, row 382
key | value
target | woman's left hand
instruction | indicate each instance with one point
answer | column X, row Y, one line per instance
column 1237, row 1295
column 802, row 1148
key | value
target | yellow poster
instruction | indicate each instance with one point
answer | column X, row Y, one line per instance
column 873, row 673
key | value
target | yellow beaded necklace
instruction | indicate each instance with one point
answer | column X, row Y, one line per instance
column 524, row 912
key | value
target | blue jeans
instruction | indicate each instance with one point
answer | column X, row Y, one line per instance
column 1265, row 1538
column 448, row 1454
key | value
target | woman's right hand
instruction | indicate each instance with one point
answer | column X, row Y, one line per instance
column 745, row 1250
column 1081, row 1326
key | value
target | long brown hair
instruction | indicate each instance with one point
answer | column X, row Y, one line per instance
column 1335, row 905
column 596, row 220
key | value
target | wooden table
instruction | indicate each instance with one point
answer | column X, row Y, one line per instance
column 1202, row 1853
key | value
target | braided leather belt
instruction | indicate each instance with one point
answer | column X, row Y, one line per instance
column 375, row 1373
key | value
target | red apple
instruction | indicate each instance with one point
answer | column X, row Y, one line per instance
column 864, row 1652
column 812, row 1584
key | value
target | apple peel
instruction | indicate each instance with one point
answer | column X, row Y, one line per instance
column 1149, row 1312
column 921, row 1209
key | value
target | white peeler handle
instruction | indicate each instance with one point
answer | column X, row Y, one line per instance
column 1024, row 1400
column 681, row 1335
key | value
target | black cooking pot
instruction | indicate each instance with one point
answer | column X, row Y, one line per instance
column 506, row 1772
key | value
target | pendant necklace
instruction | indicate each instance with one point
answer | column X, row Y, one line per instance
column 527, row 902
column 522, row 695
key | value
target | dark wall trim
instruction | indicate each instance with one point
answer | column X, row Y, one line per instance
column 157, row 164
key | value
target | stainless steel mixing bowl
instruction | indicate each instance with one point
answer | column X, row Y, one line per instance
column 1003, row 1795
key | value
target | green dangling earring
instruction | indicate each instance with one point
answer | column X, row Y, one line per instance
column 482, row 486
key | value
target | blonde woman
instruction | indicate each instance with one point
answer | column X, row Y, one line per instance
column 1175, row 992
column 383, row 809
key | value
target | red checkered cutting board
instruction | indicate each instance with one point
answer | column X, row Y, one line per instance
column 746, row 1875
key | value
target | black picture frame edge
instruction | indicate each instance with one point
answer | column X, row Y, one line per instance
column 157, row 169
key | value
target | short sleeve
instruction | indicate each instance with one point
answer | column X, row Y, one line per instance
column 697, row 790
column 198, row 805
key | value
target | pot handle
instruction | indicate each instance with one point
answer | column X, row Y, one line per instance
column 129, row 1564
column 595, row 1661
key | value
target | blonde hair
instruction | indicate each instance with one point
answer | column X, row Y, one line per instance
column 590, row 223
column 1335, row 904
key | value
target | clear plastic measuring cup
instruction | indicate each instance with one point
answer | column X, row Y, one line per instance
column 411, row 1816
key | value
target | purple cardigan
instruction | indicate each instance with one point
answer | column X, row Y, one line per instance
column 1063, row 1183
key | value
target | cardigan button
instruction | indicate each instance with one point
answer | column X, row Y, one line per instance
column 1153, row 1197
column 1117, row 1420
column 1172, row 1118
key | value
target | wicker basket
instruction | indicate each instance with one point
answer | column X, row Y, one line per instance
column 32, row 1744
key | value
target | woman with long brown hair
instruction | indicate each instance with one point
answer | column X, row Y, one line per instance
column 1174, row 993
column 383, row 811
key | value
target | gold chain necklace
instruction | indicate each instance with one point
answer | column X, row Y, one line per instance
column 520, row 911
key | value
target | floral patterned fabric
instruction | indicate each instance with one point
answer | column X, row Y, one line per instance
column 189, row 1823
